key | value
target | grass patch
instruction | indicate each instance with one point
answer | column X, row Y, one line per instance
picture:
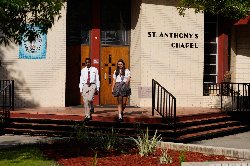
column 23, row 155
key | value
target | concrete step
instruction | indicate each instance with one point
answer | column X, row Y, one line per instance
column 207, row 126
column 208, row 134
column 202, row 121
column 189, row 128
column 33, row 132
column 95, row 117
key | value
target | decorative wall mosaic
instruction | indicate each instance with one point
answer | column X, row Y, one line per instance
column 35, row 49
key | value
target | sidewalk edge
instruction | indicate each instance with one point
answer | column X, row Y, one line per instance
column 229, row 152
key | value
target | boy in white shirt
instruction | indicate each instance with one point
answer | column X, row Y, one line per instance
column 89, row 86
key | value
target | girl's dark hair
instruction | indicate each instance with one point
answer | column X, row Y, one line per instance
column 118, row 69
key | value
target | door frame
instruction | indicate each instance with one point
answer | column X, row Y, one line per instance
column 95, row 40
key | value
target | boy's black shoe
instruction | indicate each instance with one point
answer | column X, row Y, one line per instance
column 87, row 119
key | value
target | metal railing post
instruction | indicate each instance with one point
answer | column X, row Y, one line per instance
column 7, row 97
column 153, row 97
column 12, row 95
column 164, row 98
column 221, row 85
column 4, row 103
column 175, row 116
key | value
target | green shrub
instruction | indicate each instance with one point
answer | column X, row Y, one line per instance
column 145, row 145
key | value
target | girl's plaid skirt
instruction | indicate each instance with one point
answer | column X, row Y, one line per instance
column 121, row 89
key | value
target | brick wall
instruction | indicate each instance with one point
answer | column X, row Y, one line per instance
column 180, row 70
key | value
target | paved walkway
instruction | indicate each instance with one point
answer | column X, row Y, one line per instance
column 12, row 140
column 237, row 141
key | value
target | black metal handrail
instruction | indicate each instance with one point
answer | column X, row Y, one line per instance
column 6, row 97
column 211, row 89
column 164, row 103
column 238, row 96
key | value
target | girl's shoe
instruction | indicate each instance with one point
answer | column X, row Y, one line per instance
column 120, row 120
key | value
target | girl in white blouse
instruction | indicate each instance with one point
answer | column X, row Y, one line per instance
column 120, row 87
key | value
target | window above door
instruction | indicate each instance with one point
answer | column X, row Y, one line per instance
column 115, row 22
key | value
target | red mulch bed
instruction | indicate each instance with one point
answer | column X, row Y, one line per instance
column 77, row 154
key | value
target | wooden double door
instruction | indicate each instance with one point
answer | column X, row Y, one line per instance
column 109, row 57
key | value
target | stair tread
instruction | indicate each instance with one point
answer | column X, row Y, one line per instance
column 197, row 134
column 56, row 116
column 45, row 119
column 199, row 116
column 102, row 127
column 40, row 124
column 72, row 122
column 205, row 119
column 130, row 129
column 121, row 126
column 190, row 127
column 60, row 133
column 35, row 130
column 113, row 119
column 208, row 125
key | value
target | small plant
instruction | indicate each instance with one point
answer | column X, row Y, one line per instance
column 226, row 87
column 109, row 140
column 137, row 128
column 94, row 162
column 165, row 158
column 97, row 139
column 182, row 156
column 82, row 133
column 227, row 76
column 145, row 145
column 106, row 139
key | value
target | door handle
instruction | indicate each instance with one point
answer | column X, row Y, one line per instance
column 105, row 76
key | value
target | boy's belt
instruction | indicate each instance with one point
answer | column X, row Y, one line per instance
column 90, row 84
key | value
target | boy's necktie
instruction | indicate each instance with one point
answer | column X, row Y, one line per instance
column 88, row 80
